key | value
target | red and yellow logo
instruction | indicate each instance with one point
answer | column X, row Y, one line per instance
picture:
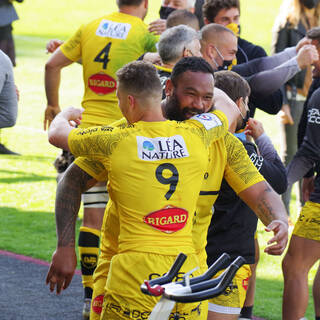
column 101, row 84
column 245, row 283
column 168, row 219
column 97, row 304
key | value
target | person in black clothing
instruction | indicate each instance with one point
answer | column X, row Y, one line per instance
column 168, row 6
column 233, row 223
column 227, row 13
column 8, row 15
column 265, row 75
column 304, row 247
column 295, row 18
column 198, row 12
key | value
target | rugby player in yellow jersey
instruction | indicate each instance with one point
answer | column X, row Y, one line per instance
column 103, row 45
column 83, row 177
column 185, row 97
column 155, row 171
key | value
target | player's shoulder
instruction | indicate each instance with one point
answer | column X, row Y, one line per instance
column 210, row 120
column 116, row 25
column 251, row 49
column 234, row 146
column 315, row 98
column 119, row 18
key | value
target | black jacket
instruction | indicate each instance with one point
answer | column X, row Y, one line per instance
column 248, row 51
column 233, row 223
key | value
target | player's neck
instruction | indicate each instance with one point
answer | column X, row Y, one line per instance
column 132, row 11
column 153, row 115
column 167, row 65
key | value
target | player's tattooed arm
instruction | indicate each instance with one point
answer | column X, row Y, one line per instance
column 68, row 198
column 265, row 209
column 64, row 260
column 267, row 205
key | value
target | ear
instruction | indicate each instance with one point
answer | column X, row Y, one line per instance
column 131, row 101
column 146, row 4
column 169, row 88
column 210, row 51
column 206, row 21
column 186, row 53
column 238, row 102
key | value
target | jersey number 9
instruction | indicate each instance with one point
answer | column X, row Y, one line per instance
column 172, row 181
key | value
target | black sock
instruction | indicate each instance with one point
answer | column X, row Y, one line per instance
column 246, row 312
column 88, row 293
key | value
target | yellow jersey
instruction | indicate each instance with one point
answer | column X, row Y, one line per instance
column 155, row 172
column 104, row 46
column 229, row 161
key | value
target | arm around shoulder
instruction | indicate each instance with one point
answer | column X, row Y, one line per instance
column 267, row 205
column 61, row 126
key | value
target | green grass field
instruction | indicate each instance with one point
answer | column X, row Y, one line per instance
column 27, row 182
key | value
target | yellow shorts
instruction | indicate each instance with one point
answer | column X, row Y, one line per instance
column 202, row 256
column 99, row 284
column 232, row 300
column 108, row 248
column 308, row 223
column 123, row 298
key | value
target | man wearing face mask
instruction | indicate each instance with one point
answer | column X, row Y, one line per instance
column 265, row 75
column 227, row 13
column 233, row 223
column 167, row 6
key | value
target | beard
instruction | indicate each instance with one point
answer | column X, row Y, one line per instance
column 173, row 110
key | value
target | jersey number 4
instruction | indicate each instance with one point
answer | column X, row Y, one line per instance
column 103, row 56
column 173, row 180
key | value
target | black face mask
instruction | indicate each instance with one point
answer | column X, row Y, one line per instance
column 165, row 11
column 310, row 4
column 225, row 65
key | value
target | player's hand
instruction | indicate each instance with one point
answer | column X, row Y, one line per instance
column 304, row 41
column 285, row 115
column 278, row 243
column 49, row 115
column 61, row 270
column 73, row 115
column 152, row 57
column 53, row 44
column 158, row 26
column 307, row 55
column 307, row 188
column 254, row 128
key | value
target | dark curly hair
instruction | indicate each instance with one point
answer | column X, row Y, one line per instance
column 193, row 64
column 211, row 8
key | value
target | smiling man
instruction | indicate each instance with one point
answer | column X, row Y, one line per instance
column 155, row 170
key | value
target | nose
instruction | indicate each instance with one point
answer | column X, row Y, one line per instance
column 197, row 103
